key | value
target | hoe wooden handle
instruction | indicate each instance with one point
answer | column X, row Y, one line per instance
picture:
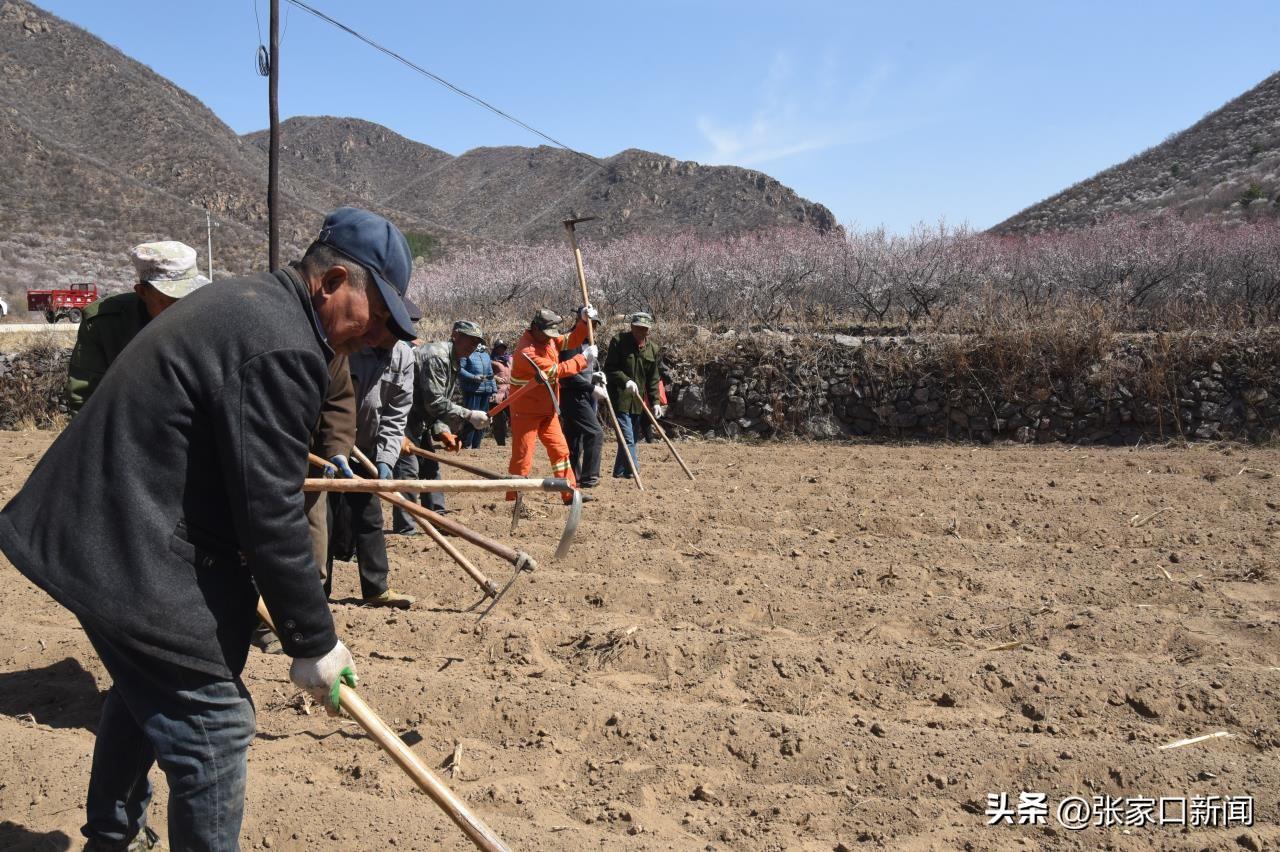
column 448, row 801
column 662, row 432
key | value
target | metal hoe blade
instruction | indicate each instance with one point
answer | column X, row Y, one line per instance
column 525, row 563
column 515, row 511
column 545, row 382
column 570, row 525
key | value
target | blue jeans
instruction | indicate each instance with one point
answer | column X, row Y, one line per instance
column 196, row 726
column 629, row 423
column 471, row 436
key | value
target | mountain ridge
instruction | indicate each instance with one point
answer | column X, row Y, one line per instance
column 99, row 152
column 1224, row 167
column 517, row 193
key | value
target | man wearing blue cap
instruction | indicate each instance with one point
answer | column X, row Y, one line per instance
column 191, row 508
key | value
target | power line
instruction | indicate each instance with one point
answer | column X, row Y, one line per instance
column 437, row 78
column 257, row 20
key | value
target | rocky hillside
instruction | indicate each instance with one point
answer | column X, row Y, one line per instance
column 1225, row 166
column 98, row 152
column 515, row 193
column 351, row 154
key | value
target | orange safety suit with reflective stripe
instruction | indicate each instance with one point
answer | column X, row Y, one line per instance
column 533, row 417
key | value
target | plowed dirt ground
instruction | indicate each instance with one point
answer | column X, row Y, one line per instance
column 814, row 647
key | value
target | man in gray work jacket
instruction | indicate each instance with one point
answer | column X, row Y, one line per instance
column 383, row 379
column 435, row 419
column 187, row 465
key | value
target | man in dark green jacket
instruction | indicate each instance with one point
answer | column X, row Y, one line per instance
column 166, row 273
column 632, row 370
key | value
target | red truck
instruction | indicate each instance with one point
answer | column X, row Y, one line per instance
column 69, row 302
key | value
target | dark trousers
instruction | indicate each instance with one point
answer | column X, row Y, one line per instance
column 412, row 467
column 196, row 726
column 583, row 432
column 370, row 543
column 500, row 426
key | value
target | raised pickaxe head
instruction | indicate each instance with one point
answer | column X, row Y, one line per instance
column 545, row 382
column 569, row 223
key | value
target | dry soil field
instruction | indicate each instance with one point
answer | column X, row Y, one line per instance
column 812, row 647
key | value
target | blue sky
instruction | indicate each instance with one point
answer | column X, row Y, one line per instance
column 888, row 113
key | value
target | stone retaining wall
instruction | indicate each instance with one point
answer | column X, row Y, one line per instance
column 1022, row 387
column 1028, row 388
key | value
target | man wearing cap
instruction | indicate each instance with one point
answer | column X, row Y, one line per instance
column 434, row 418
column 383, row 379
column 533, row 415
column 200, row 433
column 631, row 367
column 579, row 395
column 166, row 272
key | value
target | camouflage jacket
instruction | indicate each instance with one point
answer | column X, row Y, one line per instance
column 434, row 382
column 105, row 330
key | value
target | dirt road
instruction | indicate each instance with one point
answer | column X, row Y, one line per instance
column 812, row 647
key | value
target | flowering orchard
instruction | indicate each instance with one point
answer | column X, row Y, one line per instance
column 1155, row 274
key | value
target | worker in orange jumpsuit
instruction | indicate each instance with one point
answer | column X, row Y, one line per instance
column 533, row 415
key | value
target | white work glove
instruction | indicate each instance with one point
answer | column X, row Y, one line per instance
column 478, row 419
column 591, row 351
column 320, row 676
column 588, row 313
column 659, row 410
column 599, row 392
column 633, row 388
column 598, row 379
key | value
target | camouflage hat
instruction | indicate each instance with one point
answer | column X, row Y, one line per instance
column 546, row 322
column 468, row 328
column 641, row 319
column 169, row 266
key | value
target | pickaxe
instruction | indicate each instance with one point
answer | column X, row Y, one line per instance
column 569, row 225
column 545, row 382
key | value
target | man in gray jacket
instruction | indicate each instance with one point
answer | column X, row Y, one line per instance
column 187, row 463
column 435, row 418
column 383, row 378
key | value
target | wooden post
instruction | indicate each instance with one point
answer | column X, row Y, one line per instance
column 273, row 148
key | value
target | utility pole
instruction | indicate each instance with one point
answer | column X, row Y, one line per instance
column 208, row 226
column 273, row 156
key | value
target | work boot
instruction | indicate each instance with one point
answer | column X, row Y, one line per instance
column 391, row 598
column 588, row 483
column 144, row 841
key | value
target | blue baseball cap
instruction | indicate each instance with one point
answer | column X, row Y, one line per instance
column 378, row 246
